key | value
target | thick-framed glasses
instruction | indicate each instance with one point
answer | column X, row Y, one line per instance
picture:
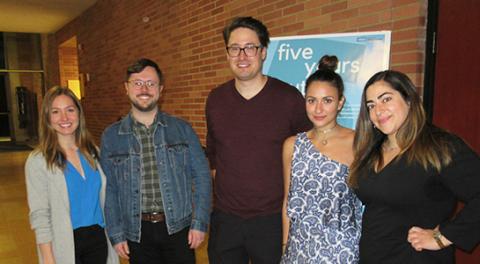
column 249, row 51
column 138, row 84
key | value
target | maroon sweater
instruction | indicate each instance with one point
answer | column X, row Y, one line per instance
column 244, row 145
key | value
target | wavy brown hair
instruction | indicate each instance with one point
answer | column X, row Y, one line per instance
column 418, row 141
column 48, row 144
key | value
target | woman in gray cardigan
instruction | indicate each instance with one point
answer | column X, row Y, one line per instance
column 66, row 186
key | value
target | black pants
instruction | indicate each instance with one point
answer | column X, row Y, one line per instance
column 90, row 245
column 158, row 247
column 234, row 240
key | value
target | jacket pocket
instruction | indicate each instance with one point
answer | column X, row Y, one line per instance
column 177, row 156
column 120, row 166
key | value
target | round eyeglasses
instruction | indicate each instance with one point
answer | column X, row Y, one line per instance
column 138, row 84
column 249, row 50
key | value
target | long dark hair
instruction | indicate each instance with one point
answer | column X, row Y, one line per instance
column 415, row 137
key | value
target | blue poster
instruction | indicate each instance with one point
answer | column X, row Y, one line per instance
column 360, row 55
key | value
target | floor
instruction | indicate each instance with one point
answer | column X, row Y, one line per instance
column 17, row 242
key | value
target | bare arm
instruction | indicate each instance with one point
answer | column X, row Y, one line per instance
column 287, row 163
column 47, row 253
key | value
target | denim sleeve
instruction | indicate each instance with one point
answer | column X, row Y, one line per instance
column 210, row 137
column 113, row 218
column 202, row 196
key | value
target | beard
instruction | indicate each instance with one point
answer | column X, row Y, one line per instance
column 142, row 108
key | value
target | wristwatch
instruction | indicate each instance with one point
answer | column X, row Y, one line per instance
column 438, row 238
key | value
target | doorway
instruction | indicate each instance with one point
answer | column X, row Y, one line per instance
column 68, row 62
column 5, row 130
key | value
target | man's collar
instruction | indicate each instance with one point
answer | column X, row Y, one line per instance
column 127, row 123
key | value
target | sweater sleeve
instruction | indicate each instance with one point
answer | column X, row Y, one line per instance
column 461, row 176
column 37, row 194
column 299, row 121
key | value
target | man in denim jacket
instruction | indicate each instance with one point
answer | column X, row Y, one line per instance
column 158, row 182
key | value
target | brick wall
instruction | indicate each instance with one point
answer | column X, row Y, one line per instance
column 184, row 37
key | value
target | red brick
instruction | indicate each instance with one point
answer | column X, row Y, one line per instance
column 184, row 37
column 334, row 7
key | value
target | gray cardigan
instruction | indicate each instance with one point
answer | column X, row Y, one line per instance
column 50, row 209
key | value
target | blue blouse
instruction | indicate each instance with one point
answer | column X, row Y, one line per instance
column 84, row 194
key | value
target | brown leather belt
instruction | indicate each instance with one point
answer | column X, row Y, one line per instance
column 154, row 217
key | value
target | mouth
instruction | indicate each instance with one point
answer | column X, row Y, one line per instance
column 144, row 96
column 243, row 64
column 383, row 120
column 319, row 118
column 65, row 125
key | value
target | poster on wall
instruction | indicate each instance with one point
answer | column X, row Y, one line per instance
column 361, row 54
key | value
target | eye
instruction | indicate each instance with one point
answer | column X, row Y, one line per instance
column 386, row 99
column 234, row 49
column 71, row 109
column 150, row 84
column 327, row 100
column 370, row 106
column 310, row 100
column 53, row 112
column 138, row 83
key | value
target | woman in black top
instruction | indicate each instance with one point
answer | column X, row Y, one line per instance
column 410, row 174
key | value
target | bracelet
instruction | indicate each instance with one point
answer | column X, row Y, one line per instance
column 438, row 238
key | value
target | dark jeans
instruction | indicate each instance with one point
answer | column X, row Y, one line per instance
column 90, row 245
column 157, row 246
column 234, row 240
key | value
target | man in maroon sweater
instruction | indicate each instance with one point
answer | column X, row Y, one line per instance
column 248, row 118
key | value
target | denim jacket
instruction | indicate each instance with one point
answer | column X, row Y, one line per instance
column 185, row 181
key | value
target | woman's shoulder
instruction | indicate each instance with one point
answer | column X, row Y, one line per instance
column 345, row 133
column 290, row 141
column 444, row 136
column 35, row 157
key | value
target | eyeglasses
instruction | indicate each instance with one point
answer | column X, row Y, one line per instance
column 249, row 50
column 138, row 84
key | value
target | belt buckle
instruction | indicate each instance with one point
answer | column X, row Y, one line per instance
column 152, row 214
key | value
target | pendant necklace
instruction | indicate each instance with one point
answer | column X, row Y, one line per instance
column 325, row 140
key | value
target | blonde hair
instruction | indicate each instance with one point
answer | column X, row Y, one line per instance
column 48, row 142
column 418, row 141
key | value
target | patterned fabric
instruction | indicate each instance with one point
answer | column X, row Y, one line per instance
column 151, row 195
column 325, row 215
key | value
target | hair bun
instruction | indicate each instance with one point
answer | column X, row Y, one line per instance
column 328, row 62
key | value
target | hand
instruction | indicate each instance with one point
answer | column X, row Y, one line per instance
column 195, row 238
column 122, row 249
column 421, row 239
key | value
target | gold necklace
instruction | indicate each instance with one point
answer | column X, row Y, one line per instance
column 325, row 140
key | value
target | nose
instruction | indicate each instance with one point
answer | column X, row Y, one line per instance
column 243, row 54
column 63, row 116
column 379, row 109
column 144, row 87
column 318, row 107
